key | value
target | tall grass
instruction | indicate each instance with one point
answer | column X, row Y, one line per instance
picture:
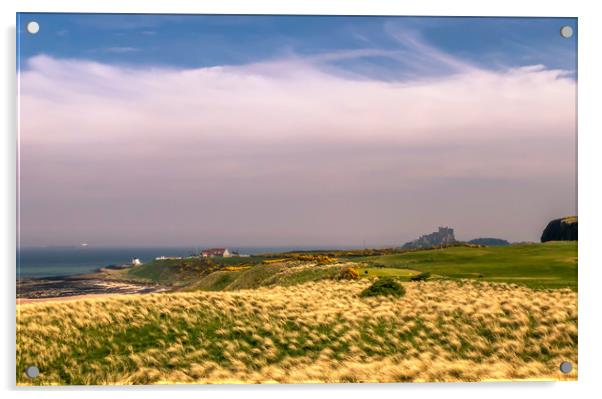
column 314, row 332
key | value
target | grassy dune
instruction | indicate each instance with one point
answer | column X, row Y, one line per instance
column 283, row 273
column 313, row 332
column 181, row 272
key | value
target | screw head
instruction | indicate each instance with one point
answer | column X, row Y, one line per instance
column 566, row 31
column 566, row 367
column 32, row 371
column 33, row 27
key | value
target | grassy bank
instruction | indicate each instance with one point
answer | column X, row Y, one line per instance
column 540, row 266
column 314, row 332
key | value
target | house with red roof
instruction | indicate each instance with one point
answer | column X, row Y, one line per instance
column 211, row 252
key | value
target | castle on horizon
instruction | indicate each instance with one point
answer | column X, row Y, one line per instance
column 444, row 236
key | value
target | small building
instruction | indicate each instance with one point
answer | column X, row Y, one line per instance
column 136, row 262
column 168, row 258
column 220, row 252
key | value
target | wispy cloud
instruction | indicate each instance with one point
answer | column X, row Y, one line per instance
column 419, row 54
column 411, row 59
column 290, row 86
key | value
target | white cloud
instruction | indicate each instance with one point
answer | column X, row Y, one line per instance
column 92, row 134
column 84, row 102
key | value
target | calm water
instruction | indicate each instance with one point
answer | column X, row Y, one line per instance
column 68, row 261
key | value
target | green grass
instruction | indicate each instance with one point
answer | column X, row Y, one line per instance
column 169, row 271
column 235, row 261
column 256, row 276
column 282, row 274
column 541, row 266
column 180, row 272
column 216, row 281
column 370, row 272
column 548, row 265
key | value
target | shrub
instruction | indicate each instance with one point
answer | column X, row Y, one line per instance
column 348, row 273
column 384, row 286
column 421, row 277
column 325, row 260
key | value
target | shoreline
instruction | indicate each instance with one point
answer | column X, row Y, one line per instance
column 103, row 281
column 102, row 270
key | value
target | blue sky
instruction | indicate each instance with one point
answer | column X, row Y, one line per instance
column 199, row 40
column 286, row 130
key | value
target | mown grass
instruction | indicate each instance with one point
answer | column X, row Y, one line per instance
column 313, row 332
column 371, row 272
column 548, row 265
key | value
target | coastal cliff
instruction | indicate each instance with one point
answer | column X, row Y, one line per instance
column 564, row 229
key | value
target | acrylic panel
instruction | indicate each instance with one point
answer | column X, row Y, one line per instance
column 295, row 199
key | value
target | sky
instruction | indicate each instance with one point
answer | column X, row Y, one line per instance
column 292, row 130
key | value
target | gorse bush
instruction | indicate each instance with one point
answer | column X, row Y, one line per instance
column 272, row 261
column 326, row 260
column 348, row 273
column 384, row 286
column 421, row 277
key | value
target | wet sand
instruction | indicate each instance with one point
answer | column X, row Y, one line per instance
column 85, row 285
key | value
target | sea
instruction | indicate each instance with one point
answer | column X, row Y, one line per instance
column 38, row 262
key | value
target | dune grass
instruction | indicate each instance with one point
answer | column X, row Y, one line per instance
column 265, row 275
column 313, row 332
column 216, row 281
